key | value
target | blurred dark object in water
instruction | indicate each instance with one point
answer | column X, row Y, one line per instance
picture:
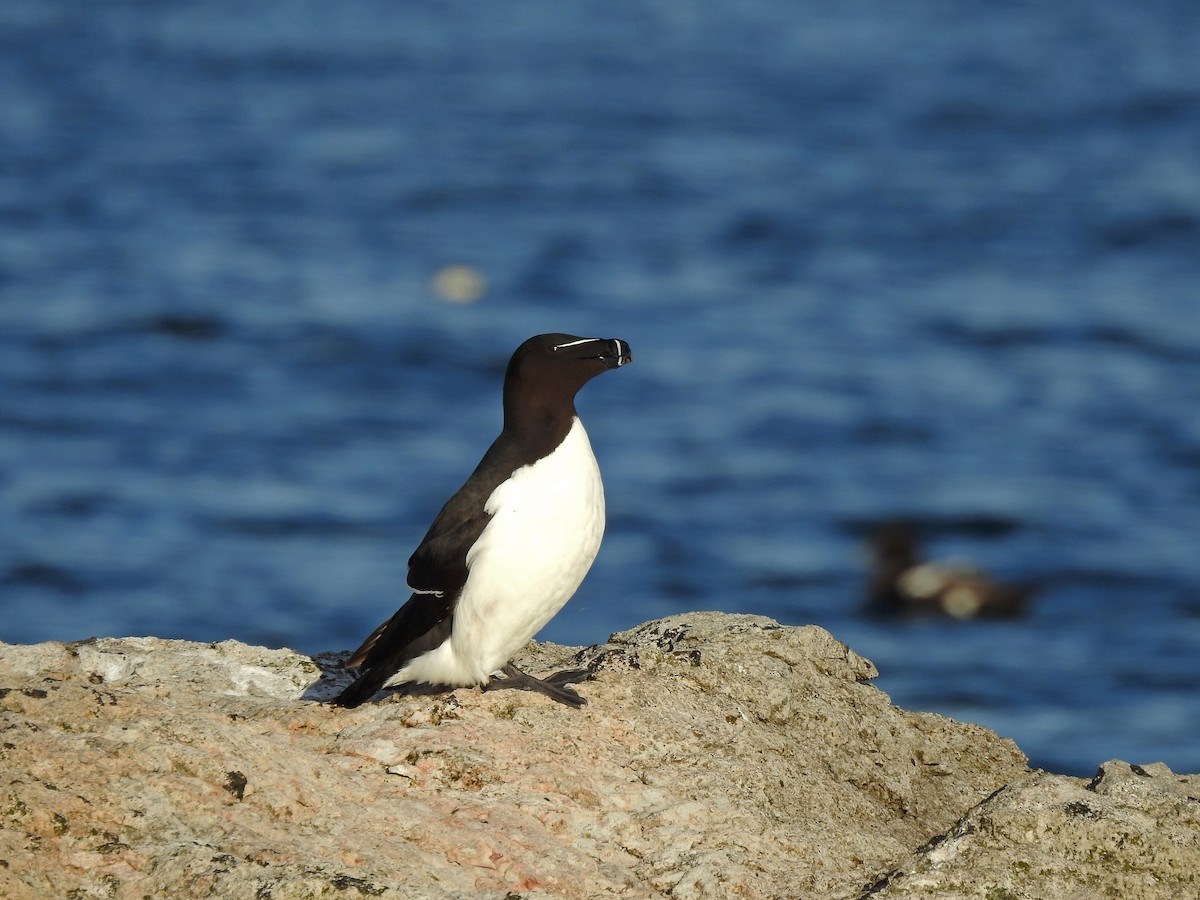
column 901, row 583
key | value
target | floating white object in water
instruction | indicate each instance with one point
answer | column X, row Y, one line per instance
column 459, row 283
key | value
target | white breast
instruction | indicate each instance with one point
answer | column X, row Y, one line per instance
column 547, row 523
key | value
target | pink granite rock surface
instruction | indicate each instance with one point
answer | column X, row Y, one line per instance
column 718, row 756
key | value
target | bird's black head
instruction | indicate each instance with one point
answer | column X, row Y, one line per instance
column 547, row 371
column 563, row 363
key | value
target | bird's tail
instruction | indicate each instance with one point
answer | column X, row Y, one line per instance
column 364, row 687
column 420, row 625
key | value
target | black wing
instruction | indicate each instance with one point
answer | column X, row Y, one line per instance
column 439, row 564
column 437, row 571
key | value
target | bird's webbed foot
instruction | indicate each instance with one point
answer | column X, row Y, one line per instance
column 553, row 686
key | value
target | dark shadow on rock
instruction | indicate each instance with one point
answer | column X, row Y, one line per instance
column 334, row 677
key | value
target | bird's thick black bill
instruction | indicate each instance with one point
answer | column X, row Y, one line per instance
column 616, row 353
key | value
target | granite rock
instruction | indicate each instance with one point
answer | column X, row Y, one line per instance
column 1132, row 831
column 718, row 756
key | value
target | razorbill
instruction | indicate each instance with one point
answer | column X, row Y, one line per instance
column 902, row 583
column 511, row 546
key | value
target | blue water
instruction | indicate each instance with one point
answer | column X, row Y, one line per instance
column 939, row 260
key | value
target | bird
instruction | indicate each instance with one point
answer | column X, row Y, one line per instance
column 510, row 547
column 901, row 583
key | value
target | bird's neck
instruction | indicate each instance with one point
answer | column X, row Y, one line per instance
column 538, row 428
